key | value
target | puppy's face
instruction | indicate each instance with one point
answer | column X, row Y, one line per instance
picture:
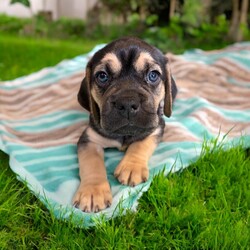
column 127, row 87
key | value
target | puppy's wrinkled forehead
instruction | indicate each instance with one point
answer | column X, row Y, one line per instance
column 127, row 57
column 110, row 62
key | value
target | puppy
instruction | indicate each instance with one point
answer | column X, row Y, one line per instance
column 127, row 89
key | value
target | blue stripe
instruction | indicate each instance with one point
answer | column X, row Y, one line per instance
column 45, row 165
column 40, row 153
column 183, row 108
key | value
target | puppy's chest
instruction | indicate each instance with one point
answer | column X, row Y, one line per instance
column 121, row 143
column 126, row 141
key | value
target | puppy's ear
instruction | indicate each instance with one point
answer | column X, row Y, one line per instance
column 170, row 92
column 85, row 98
column 83, row 94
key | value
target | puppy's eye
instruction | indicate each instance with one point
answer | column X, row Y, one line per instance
column 153, row 76
column 102, row 77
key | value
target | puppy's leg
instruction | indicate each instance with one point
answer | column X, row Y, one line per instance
column 133, row 168
column 94, row 192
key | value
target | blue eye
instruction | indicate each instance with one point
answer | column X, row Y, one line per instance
column 102, row 77
column 153, row 76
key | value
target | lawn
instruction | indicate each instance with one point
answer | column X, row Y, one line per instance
column 205, row 206
column 25, row 55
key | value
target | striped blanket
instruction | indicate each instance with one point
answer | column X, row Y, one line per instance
column 41, row 121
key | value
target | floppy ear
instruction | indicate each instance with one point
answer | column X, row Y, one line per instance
column 83, row 94
column 170, row 92
column 85, row 98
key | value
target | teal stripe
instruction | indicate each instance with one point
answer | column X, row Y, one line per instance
column 22, row 149
column 53, row 186
column 33, row 154
column 53, row 170
column 183, row 108
column 196, row 128
column 53, row 77
column 164, row 147
column 47, row 79
column 34, row 167
column 11, row 147
column 6, row 133
column 49, row 176
column 244, row 140
column 240, row 56
column 242, row 84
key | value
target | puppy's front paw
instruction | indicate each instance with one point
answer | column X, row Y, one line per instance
column 93, row 197
column 132, row 174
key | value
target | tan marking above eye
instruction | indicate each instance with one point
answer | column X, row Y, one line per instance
column 112, row 61
column 145, row 58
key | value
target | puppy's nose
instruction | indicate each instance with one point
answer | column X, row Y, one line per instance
column 127, row 107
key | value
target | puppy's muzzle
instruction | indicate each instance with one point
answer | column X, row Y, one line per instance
column 127, row 106
column 128, row 111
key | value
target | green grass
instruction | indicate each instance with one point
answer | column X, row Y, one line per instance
column 205, row 206
column 21, row 56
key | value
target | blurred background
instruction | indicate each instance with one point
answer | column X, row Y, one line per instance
column 48, row 31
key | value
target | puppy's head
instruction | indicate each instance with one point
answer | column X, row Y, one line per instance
column 128, row 87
